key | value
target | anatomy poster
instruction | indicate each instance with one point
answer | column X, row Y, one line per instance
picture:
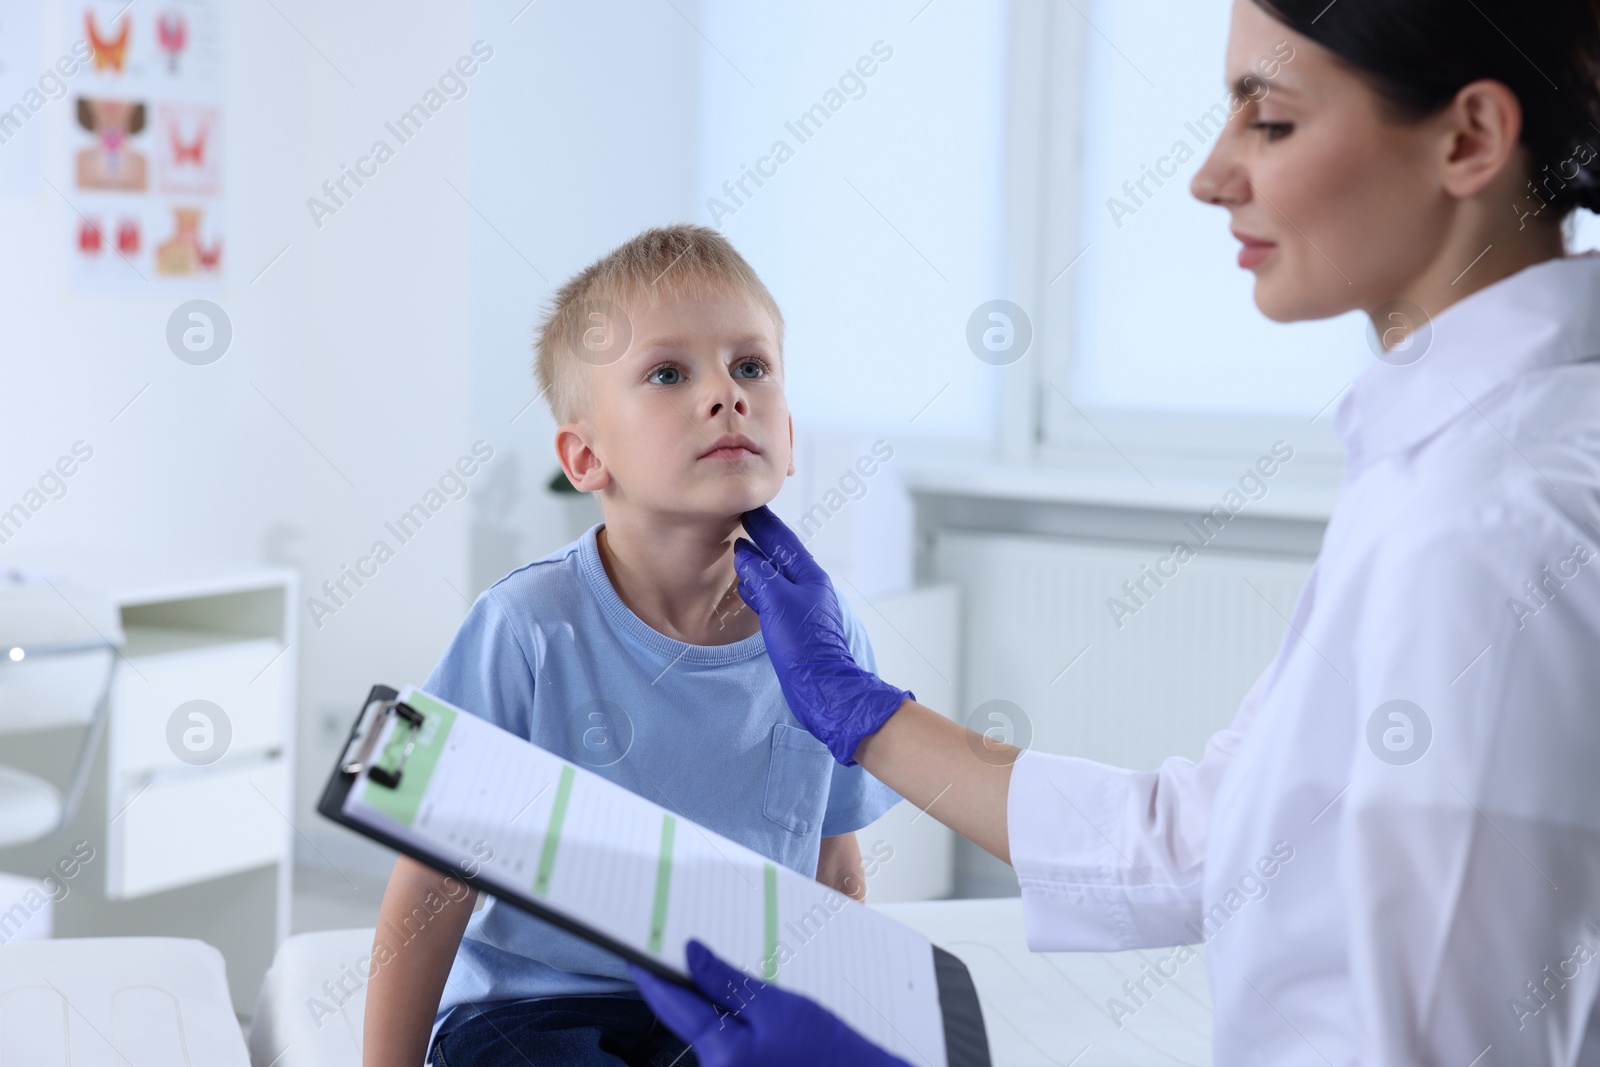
column 144, row 173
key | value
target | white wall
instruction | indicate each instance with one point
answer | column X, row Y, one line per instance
column 382, row 382
column 344, row 393
column 883, row 232
column 190, row 465
column 577, row 147
column 428, row 299
column 372, row 350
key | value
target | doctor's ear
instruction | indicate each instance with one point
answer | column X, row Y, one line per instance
column 582, row 464
column 1483, row 125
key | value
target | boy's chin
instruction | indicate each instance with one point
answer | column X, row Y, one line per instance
column 729, row 506
column 714, row 509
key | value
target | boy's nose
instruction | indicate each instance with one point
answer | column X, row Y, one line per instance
column 736, row 402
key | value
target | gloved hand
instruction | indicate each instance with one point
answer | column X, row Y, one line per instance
column 743, row 1022
column 838, row 701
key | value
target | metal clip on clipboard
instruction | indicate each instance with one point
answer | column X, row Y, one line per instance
column 396, row 750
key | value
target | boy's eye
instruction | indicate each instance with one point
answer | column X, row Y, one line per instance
column 749, row 368
column 665, row 375
column 1275, row 131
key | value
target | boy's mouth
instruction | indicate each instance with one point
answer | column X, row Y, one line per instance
column 732, row 446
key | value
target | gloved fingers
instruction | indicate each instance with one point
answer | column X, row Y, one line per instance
column 721, row 981
column 781, row 545
column 755, row 571
column 685, row 1012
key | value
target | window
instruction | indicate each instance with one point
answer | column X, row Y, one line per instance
column 855, row 158
column 1157, row 344
column 888, row 173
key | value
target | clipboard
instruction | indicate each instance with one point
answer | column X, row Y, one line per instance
column 380, row 752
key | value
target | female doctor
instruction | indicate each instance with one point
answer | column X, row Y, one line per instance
column 1392, row 854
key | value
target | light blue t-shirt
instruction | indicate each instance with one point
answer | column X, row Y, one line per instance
column 552, row 654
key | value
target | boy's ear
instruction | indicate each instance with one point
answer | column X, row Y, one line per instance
column 583, row 466
column 791, row 447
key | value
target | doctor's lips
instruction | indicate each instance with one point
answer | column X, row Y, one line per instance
column 1255, row 250
column 731, row 446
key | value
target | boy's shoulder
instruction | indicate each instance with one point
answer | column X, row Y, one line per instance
column 556, row 576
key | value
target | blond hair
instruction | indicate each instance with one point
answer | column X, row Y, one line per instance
column 668, row 262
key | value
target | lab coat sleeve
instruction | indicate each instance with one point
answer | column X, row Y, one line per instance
column 1471, row 873
column 1111, row 859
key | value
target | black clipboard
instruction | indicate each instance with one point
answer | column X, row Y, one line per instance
column 966, row 1040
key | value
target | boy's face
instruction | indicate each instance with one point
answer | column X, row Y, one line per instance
column 692, row 420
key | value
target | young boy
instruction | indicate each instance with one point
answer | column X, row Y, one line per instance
column 630, row 652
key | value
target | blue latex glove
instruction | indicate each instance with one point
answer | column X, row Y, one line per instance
column 838, row 701
column 743, row 1022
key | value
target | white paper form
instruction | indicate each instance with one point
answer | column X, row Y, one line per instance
column 483, row 800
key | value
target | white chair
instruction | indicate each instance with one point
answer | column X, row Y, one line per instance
column 58, row 653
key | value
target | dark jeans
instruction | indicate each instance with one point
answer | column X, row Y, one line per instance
column 603, row 1031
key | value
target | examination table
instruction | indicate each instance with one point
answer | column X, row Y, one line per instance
column 1047, row 1010
column 163, row 1002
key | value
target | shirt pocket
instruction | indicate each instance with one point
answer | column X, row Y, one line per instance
column 798, row 777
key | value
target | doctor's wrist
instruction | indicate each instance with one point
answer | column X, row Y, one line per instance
column 871, row 742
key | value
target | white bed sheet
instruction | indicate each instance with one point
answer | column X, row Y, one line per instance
column 116, row 1002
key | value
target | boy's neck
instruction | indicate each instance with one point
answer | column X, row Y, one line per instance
column 678, row 577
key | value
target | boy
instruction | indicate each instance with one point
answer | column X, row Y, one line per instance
column 630, row 652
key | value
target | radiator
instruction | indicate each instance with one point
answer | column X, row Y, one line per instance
column 913, row 636
column 1057, row 654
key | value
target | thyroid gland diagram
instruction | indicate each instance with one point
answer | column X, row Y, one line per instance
column 111, row 162
column 188, row 149
column 172, row 33
column 182, row 253
column 91, row 238
column 110, row 53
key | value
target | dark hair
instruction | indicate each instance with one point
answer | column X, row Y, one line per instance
column 1417, row 54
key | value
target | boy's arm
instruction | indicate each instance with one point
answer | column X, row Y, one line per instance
column 839, row 866
column 429, row 911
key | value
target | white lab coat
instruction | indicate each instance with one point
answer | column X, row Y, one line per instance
column 1367, row 909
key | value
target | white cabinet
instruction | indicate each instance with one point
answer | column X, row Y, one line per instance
column 164, row 669
column 189, row 818
column 199, row 786
column 189, row 827
column 199, row 742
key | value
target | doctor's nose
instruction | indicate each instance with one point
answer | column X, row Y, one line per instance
column 1220, row 180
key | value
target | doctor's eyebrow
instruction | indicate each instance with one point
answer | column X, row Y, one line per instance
column 1250, row 85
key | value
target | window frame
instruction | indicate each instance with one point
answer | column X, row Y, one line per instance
column 1040, row 421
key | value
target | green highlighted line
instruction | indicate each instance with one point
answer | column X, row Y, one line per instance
column 769, row 955
column 552, row 836
column 658, row 914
